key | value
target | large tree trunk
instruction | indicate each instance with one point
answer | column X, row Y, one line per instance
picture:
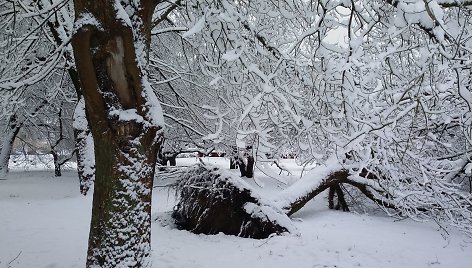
column 332, row 180
column 329, row 177
column 110, row 49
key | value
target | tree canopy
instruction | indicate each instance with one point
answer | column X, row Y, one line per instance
column 377, row 92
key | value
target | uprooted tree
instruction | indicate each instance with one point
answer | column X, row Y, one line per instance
column 391, row 102
column 212, row 201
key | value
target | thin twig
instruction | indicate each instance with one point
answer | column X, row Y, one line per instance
column 8, row 264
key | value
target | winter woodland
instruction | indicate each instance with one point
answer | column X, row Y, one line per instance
column 370, row 101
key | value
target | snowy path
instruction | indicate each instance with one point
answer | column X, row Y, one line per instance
column 45, row 220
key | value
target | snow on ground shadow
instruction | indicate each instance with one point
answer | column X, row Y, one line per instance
column 44, row 223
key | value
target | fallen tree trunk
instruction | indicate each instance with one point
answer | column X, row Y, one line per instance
column 212, row 202
column 420, row 201
column 332, row 180
column 298, row 194
column 330, row 177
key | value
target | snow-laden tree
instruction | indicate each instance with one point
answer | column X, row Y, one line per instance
column 393, row 105
column 19, row 55
column 389, row 103
column 183, row 92
column 376, row 92
column 35, row 46
column 15, row 118
column 48, row 128
column 255, row 90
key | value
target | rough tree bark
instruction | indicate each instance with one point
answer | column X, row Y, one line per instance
column 83, row 136
column 110, row 49
column 212, row 201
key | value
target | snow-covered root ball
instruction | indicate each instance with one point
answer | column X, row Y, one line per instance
column 213, row 201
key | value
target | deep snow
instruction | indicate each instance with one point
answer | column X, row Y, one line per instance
column 44, row 223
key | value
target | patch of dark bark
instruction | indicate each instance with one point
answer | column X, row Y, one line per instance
column 213, row 202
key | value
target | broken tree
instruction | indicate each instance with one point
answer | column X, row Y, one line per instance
column 212, row 201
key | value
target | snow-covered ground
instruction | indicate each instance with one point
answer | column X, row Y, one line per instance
column 44, row 223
